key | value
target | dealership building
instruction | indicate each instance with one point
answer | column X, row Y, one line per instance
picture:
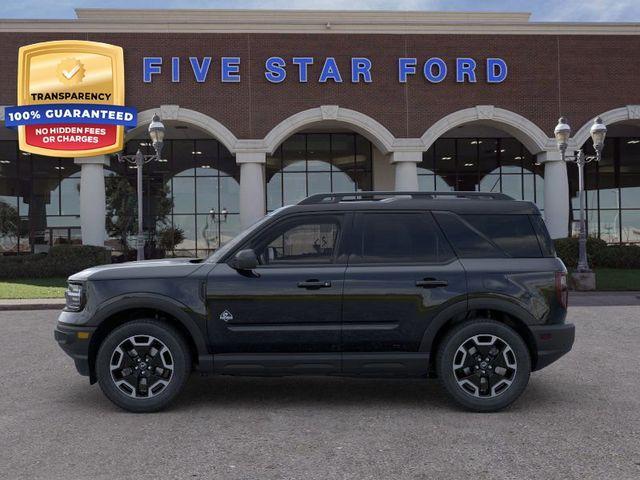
column 263, row 108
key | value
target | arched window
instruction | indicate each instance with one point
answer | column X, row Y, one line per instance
column 308, row 163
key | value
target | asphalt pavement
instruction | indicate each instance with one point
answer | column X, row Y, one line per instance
column 579, row 418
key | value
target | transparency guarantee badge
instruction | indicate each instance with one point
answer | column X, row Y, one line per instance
column 71, row 99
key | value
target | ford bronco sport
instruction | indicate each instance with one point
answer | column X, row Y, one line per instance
column 464, row 286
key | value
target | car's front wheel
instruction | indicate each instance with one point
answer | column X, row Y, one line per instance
column 484, row 365
column 143, row 365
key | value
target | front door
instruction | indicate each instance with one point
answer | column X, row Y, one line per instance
column 402, row 272
column 291, row 303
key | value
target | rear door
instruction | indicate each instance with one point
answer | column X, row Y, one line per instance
column 402, row 272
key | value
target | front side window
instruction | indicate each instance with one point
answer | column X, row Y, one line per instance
column 302, row 242
column 401, row 238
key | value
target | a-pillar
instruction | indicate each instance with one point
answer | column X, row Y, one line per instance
column 556, row 194
column 252, row 187
column 92, row 199
column 406, row 168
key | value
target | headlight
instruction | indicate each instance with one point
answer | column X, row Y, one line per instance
column 74, row 297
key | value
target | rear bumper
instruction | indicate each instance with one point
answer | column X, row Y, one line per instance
column 552, row 342
column 75, row 343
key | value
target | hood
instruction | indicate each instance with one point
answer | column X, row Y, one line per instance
column 166, row 268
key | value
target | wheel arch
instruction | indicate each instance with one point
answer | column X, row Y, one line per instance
column 502, row 310
column 121, row 310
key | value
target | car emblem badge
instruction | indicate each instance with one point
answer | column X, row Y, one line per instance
column 226, row 316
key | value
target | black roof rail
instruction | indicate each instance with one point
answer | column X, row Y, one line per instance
column 359, row 196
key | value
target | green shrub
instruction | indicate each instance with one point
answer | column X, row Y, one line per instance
column 61, row 261
column 599, row 254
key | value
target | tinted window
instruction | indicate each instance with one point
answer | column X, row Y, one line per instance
column 466, row 240
column 311, row 241
column 546, row 244
column 401, row 237
column 514, row 234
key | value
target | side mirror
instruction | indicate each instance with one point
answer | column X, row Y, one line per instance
column 244, row 260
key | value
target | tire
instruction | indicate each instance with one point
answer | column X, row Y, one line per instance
column 165, row 359
column 461, row 369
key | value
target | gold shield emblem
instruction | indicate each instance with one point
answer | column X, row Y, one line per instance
column 71, row 72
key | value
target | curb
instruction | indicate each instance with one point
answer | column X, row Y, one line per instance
column 35, row 304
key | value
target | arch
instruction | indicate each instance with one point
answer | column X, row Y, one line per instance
column 527, row 132
column 373, row 130
column 197, row 119
column 629, row 112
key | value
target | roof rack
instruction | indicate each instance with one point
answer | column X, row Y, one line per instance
column 360, row 196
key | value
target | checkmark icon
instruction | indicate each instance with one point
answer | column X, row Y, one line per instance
column 71, row 73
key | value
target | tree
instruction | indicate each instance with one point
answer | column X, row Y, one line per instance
column 122, row 208
column 9, row 221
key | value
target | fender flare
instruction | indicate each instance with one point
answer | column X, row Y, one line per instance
column 500, row 303
column 162, row 303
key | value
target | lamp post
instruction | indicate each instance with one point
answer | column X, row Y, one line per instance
column 156, row 133
column 562, row 133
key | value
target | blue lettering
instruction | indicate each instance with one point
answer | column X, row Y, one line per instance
column 465, row 67
column 330, row 71
column 275, row 69
column 303, row 64
column 200, row 71
column 496, row 70
column 230, row 70
column 428, row 70
column 151, row 66
column 406, row 66
column 175, row 69
column 360, row 67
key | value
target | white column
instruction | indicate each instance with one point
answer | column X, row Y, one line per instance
column 93, row 209
column 556, row 194
column 406, row 166
column 252, row 187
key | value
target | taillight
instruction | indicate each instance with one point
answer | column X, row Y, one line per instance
column 562, row 290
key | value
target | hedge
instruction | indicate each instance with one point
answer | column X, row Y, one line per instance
column 599, row 254
column 61, row 261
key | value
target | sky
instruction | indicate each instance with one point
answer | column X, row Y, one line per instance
column 542, row 10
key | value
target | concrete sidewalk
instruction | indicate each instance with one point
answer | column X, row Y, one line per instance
column 576, row 299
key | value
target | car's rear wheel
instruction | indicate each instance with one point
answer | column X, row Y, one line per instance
column 484, row 365
column 143, row 365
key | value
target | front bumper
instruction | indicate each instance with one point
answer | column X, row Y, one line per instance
column 74, row 340
column 552, row 342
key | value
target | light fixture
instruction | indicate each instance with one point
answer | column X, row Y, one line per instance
column 446, row 158
column 156, row 133
column 503, row 150
column 562, row 133
column 5, row 161
column 224, row 213
column 196, row 152
column 58, row 168
column 476, row 142
column 205, row 166
column 598, row 132
column 468, row 164
column 632, row 142
column 517, row 158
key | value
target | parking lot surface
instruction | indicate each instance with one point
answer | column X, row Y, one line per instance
column 579, row 418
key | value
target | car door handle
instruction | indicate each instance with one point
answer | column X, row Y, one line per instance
column 313, row 284
column 431, row 283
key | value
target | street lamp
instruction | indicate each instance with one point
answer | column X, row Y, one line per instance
column 156, row 133
column 562, row 133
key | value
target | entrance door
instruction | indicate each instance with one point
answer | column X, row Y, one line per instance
column 291, row 303
column 402, row 272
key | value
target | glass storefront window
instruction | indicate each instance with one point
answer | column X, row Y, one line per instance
column 308, row 163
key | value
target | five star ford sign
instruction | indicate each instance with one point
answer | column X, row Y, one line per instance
column 71, row 99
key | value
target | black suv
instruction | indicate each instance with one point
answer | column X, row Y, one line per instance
column 459, row 285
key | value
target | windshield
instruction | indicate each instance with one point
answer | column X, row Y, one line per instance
column 238, row 239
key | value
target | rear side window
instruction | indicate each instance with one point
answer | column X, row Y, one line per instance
column 400, row 238
column 467, row 241
column 514, row 234
column 546, row 244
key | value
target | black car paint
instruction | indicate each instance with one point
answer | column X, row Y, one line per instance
column 371, row 320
